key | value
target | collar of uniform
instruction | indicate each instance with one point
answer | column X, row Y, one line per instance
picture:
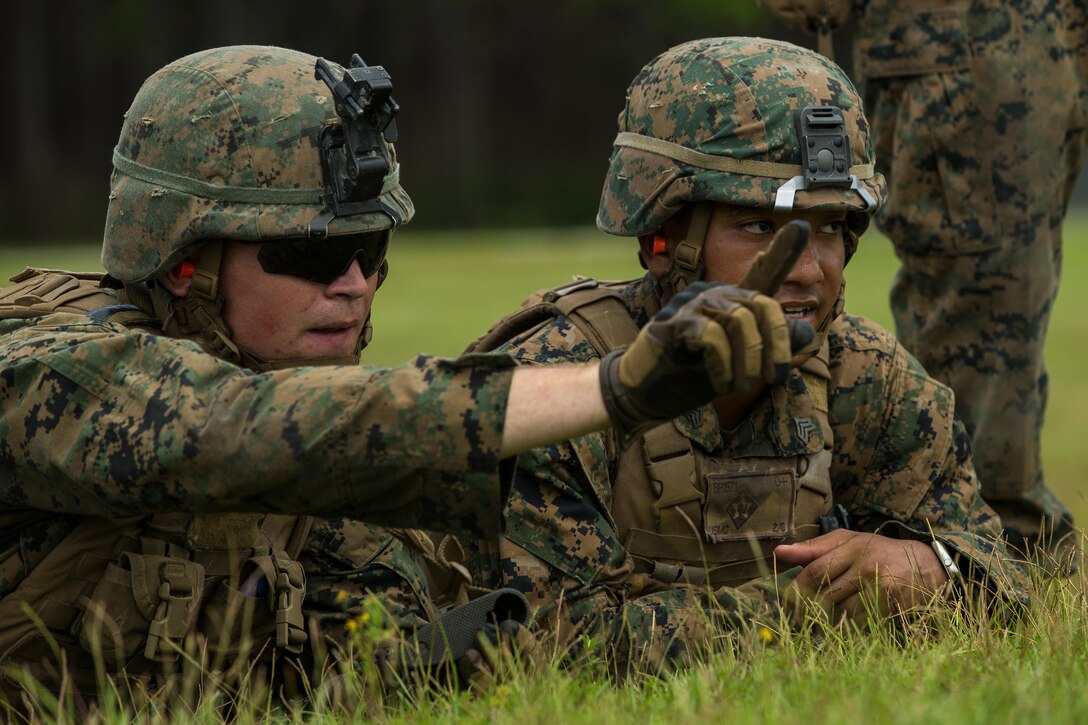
column 700, row 426
column 783, row 422
column 641, row 299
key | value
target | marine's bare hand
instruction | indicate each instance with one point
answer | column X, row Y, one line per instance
column 842, row 567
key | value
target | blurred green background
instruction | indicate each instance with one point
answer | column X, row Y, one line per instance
column 508, row 108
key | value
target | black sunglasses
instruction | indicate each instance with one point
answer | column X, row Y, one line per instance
column 323, row 260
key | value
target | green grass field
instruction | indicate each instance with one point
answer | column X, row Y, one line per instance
column 446, row 288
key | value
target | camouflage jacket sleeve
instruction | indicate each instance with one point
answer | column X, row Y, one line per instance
column 99, row 420
column 902, row 463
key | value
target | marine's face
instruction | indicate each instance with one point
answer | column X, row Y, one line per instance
column 280, row 317
column 737, row 234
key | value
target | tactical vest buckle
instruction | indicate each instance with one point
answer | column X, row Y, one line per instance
column 171, row 620
column 290, row 634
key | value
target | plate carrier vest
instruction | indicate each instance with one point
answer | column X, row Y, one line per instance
column 134, row 589
column 684, row 515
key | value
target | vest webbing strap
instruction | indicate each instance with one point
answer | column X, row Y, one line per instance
column 596, row 311
column 601, row 316
column 40, row 292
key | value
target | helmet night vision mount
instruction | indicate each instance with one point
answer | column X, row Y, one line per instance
column 352, row 157
column 824, row 142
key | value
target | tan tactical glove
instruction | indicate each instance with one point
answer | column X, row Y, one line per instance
column 710, row 340
column 810, row 15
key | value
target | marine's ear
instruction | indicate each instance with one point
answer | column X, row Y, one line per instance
column 655, row 254
column 179, row 279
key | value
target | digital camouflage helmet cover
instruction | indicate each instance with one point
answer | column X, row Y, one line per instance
column 226, row 144
column 745, row 121
column 252, row 144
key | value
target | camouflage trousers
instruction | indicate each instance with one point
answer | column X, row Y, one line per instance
column 979, row 115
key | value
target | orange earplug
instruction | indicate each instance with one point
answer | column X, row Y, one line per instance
column 185, row 269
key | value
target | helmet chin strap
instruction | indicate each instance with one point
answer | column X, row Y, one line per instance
column 824, row 325
column 198, row 316
column 687, row 258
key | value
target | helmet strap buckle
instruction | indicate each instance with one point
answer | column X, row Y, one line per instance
column 687, row 258
column 205, row 279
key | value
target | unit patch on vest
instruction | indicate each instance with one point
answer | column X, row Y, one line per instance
column 741, row 508
column 741, row 505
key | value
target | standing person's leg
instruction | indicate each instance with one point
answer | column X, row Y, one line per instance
column 980, row 130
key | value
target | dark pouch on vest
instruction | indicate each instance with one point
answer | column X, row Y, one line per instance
column 143, row 604
column 749, row 505
column 238, row 615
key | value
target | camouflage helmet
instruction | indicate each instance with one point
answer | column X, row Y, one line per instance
column 716, row 120
column 226, row 144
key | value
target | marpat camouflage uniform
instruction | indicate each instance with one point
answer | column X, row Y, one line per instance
column 103, row 421
column 145, row 457
column 979, row 122
column 900, row 465
column 747, row 122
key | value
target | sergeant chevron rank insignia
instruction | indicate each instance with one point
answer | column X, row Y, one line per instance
column 805, row 428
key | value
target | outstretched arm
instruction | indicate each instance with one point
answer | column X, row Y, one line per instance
column 549, row 404
column 710, row 340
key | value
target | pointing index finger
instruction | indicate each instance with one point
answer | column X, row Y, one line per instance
column 772, row 265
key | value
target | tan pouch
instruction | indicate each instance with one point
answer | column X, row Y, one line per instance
column 261, row 608
column 143, row 604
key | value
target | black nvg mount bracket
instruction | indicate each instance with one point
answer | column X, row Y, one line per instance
column 825, row 147
column 351, row 155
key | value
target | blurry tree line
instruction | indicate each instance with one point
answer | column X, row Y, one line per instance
column 508, row 107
